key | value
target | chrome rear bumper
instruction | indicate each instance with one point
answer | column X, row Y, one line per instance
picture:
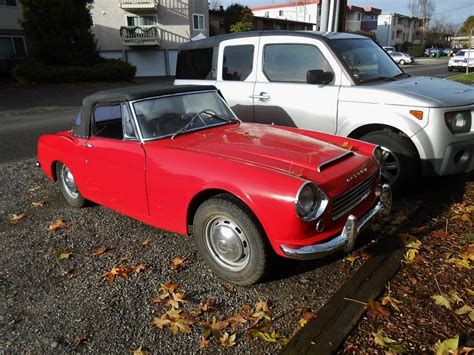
column 347, row 238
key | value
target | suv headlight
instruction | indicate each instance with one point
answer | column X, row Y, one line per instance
column 311, row 202
column 377, row 153
column 458, row 122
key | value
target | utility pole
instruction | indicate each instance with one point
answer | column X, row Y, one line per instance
column 469, row 51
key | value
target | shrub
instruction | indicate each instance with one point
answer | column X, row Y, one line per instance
column 416, row 51
column 106, row 70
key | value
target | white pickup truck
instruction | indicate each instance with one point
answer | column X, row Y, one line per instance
column 342, row 84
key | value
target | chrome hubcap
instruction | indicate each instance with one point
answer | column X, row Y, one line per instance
column 390, row 166
column 67, row 179
column 227, row 243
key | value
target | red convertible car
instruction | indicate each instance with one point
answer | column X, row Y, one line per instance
column 177, row 158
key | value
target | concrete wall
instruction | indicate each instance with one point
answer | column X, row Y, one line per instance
column 303, row 13
column 10, row 17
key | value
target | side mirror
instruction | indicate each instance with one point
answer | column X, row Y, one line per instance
column 319, row 77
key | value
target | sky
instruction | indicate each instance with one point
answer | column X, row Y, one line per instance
column 454, row 11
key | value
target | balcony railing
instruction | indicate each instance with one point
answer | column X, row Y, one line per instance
column 140, row 35
column 138, row 4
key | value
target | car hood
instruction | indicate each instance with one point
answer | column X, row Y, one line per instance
column 421, row 91
column 270, row 147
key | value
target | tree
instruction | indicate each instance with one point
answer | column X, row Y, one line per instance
column 468, row 26
column 238, row 15
column 60, row 31
column 423, row 9
column 246, row 22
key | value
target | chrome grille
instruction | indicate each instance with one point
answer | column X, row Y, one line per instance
column 351, row 198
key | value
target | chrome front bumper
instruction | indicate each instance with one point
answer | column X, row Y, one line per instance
column 346, row 240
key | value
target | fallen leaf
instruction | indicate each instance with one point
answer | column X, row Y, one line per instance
column 63, row 254
column 227, row 340
column 270, row 337
column 80, row 339
column 57, row 224
column 208, row 305
column 110, row 275
column 175, row 321
column 380, row 338
column 376, row 310
column 345, row 145
column 419, row 230
column 447, row 346
column 305, row 279
column 38, row 204
column 123, row 260
column 146, row 243
column 413, row 280
column 214, row 328
column 262, row 306
column 177, row 263
column 410, row 255
column 470, row 292
column 442, row 301
column 139, row 268
column 410, row 241
column 440, row 233
column 306, row 315
column 16, row 218
column 454, row 298
column 460, row 263
column 352, row 258
column 465, row 218
column 389, row 300
column 67, row 273
column 33, row 189
column 466, row 310
column 139, row 351
column 203, row 343
column 175, row 299
column 228, row 287
column 101, row 250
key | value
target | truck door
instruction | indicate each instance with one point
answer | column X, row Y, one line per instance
column 236, row 74
column 281, row 94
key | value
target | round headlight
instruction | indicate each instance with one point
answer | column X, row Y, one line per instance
column 310, row 202
column 377, row 153
column 458, row 122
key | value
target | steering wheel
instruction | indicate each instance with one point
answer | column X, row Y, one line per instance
column 167, row 124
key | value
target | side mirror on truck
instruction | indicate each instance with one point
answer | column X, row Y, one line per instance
column 319, row 77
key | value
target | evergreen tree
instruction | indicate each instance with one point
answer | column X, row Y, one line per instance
column 60, row 31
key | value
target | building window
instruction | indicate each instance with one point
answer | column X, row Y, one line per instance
column 141, row 20
column 8, row 3
column 280, row 13
column 267, row 13
column 358, row 16
column 393, row 34
column 12, row 47
column 198, row 22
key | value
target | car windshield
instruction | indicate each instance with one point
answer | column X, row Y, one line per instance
column 167, row 116
column 365, row 60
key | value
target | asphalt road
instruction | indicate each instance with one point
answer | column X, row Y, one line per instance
column 429, row 67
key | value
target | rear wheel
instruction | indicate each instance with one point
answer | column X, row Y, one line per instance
column 402, row 62
column 400, row 163
column 230, row 240
column 68, row 186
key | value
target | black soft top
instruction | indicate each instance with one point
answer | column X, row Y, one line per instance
column 214, row 41
column 128, row 94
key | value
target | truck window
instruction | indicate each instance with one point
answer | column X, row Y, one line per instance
column 195, row 64
column 291, row 62
column 237, row 63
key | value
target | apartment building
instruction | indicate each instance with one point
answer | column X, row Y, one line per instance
column 147, row 33
column 361, row 18
column 12, row 38
column 393, row 29
column 309, row 11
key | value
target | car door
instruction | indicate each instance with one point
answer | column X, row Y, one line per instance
column 236, row 74
column 281, row 94
column 114, row 162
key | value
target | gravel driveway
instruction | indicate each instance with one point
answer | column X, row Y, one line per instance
column 65, row 305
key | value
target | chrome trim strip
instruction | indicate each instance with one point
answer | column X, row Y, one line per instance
column 320, row 207
column 333, row 160
column 348, row 236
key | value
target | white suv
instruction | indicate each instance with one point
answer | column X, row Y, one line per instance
column 342, row 84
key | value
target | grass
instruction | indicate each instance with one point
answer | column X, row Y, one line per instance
column 463, row 78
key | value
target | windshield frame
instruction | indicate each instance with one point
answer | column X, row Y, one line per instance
column 344, row 64
column 143, row 139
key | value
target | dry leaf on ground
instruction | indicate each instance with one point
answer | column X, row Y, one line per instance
column 376, row 310
column 57, row 224
column 101, row 250
column 63, row 254
column 177, row 263
column 16, row 218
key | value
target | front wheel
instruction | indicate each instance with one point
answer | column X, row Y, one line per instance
column 400, row 163
column 68, row 186
column 230, row 240
column 402, row 62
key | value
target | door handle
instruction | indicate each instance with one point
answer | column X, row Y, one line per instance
column 262, row 97
column 88, row 145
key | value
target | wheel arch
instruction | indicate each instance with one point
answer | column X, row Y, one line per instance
column 207, row 194
column 363, row 130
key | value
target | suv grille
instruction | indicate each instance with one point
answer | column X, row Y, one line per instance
column 351, row 198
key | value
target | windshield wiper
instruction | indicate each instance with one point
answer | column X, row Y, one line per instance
column 186, row 126
column 378, row 78
column 405, row 75
column 207, row 112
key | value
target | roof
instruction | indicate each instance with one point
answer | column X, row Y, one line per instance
column 367, row 10
column 214, row 41
column 128, row 94
column 285, row 4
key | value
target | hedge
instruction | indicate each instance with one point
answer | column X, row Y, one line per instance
column 416, row 51
column 106, row 70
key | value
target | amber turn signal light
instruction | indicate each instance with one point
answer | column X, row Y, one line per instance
column 417, row 114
